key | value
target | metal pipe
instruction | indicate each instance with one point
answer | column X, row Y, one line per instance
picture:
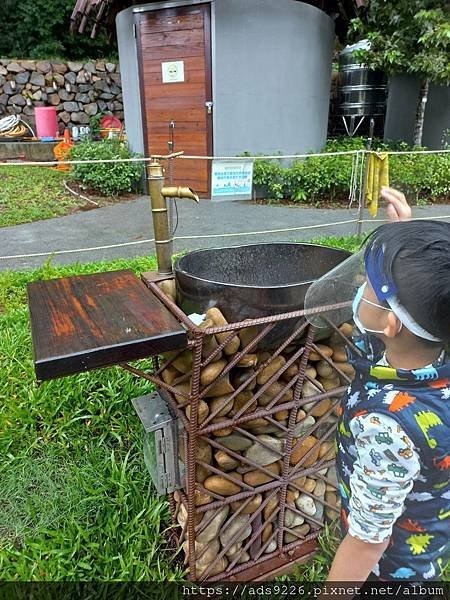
column 158, row 195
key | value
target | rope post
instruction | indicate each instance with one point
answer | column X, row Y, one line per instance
column 362, row 191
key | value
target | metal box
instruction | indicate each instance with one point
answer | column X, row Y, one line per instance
column 160, row 442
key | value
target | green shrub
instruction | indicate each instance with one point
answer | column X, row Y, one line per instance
column 423, row 177
column 109, row 179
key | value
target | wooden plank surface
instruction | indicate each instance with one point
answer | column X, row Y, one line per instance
column 90, row 321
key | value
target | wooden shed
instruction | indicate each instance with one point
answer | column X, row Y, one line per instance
column 222, row 77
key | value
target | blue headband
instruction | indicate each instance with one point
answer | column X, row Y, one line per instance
column 383, row 287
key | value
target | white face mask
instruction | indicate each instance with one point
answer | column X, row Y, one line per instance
column 356, row 302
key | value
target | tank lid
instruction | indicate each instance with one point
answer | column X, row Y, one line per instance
column 361, row 45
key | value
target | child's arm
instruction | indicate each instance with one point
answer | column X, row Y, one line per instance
column 383, row 473
column 355, row 559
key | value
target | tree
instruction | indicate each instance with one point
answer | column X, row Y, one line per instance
column 41, row 29
column 407, row 36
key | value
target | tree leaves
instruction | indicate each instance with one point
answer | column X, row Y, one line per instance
column 407, row 36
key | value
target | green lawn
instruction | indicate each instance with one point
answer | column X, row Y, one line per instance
column 76, row 502
column 33, row 193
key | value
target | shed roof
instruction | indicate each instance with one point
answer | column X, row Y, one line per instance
column 90, row 15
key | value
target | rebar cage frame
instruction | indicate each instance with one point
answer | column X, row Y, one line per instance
column 278, row 485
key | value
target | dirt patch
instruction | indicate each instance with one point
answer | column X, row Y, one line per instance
column 342, row 202
column 89, row 199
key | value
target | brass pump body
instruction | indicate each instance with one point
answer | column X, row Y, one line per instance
column 158, row 195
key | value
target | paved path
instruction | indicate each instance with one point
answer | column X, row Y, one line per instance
column 131, row 221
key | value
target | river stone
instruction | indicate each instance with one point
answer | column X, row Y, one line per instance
column 332, row 476
column 58, row 79
column 14, row 67
column 110, row 67
column 250, row 507
column 91, row 109
column 271, row 547
column 22, row 77
column 201, row 498
column 270, row 507
column 263, row 456
column 292, row 519
column 219, row 567
column 18, row 100
column 291, row 496
column 310, row 484
column 236, row 442
column 211, row 531
column 269, row 429
column 301, row 530
column 65, row 96
column 44, row 66
column 70, row 106
column 70, row 77
column 75, row 66
column 60, row 68
column 80, row 117
column 309, row 446
column 9, row 88
column 206, row 552
column 37, row 79
column 82, row 77
column 54, row 99
column 225, row 461
column 245, row 557
column 319, row 511
column 233, row 550
column 306, row 504
column 83, row 98
column 182, row 516
column 240, row 526
column 320, row 488
column 304, row 426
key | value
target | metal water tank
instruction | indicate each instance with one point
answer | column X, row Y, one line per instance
column 362, row 92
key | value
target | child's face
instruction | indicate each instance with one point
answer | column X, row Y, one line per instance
column 372, row 317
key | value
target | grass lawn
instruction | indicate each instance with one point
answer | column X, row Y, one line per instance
column 33, row 193
column 76, row 502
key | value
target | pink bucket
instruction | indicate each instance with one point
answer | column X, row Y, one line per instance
column 46, row 122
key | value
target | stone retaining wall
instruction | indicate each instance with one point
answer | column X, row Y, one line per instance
column 77, row 90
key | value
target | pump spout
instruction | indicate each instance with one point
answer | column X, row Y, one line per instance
column 158, row 195
column 179, row 192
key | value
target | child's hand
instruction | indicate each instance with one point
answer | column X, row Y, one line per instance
column 398, row 209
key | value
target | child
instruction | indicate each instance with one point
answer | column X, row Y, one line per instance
column 393, row 435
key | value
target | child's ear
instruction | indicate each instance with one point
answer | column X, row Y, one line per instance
column 393, row 325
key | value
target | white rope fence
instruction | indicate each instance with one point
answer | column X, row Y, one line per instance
column 355, row 183
column 145, row 159
column 215, row 235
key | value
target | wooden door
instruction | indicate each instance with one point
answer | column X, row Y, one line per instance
column 171, row 41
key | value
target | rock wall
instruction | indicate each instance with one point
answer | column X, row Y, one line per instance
column 77, row 90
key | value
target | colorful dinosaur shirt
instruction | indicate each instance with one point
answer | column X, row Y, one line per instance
column 418, row 401
column 372, row 514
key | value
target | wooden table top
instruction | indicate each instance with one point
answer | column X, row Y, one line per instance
column 90, row 321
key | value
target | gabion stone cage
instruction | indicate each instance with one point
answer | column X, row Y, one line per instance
column 257, row 440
